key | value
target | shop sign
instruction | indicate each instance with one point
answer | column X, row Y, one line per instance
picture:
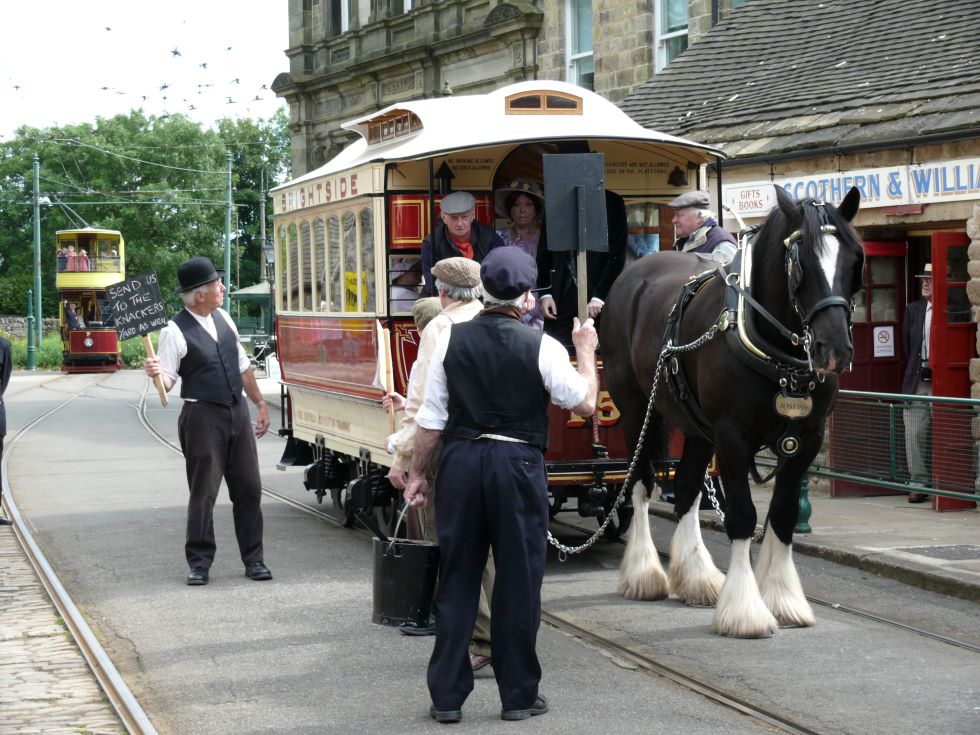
column 889, row 186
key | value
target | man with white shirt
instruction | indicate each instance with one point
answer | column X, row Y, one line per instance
column 918, row 381
column 200, row 345
column 487, row 392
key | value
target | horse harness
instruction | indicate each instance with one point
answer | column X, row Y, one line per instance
column 795, row 377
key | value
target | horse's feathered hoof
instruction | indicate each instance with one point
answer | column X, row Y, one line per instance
column 759, row 625
column 648, row 584
column 799, row 618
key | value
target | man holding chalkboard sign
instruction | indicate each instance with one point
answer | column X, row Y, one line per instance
column 200, row 345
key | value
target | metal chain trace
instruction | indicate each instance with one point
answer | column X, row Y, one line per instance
column 669, row 349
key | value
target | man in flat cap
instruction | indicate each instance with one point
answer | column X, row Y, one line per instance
column 487, row 393
column 458, row 282
column 200, row 345
column 697, row 231
column 459, row 235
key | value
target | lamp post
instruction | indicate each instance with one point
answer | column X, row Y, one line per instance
column 39, row 322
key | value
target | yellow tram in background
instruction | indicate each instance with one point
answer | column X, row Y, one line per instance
column 88, row 260
column 344, row 232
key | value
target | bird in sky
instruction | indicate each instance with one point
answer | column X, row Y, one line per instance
column 175, row 51
column 164, row 86
column 203, row 65
column 231, row 101
column 108, row 28
column 234, row 81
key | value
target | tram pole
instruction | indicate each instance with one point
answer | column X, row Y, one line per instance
column 38, row 324
column 31, row 347
column 228, row 239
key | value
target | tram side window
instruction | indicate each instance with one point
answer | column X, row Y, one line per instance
column 334, row 264
column 67, row 255
column 320, row 259
column 305, row 276
column 290, row 268
column 354, row 292
column 367, row 257
column 280, row 268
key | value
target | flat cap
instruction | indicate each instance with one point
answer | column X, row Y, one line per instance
column 461, row 272
column 508, row 272
column 459, row 202
column 697, row 199
column 425, row 310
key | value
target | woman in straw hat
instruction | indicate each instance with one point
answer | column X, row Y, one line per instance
column 522, row 202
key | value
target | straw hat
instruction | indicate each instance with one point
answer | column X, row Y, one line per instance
column 926, row 272
column 401, row 266
column 527, row 187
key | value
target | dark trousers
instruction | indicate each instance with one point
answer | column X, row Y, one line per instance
column 217, row 442
column 490, row 494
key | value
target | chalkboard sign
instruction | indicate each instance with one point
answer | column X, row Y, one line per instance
column 137, row 306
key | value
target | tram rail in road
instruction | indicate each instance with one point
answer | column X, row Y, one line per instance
column 118, row 694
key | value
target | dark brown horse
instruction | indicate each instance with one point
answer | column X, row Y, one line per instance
column 779, row 321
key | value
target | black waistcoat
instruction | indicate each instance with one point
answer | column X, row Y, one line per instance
column 495, row 386
column 209, row 370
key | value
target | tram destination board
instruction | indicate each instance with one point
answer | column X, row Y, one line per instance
column 137, row 306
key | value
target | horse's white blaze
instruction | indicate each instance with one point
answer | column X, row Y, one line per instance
column 828, row 258
column 694, row 578
column 641, row 575
column 740, row 612
column 779, row 584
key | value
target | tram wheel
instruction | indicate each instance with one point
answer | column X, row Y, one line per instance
column 342, row 504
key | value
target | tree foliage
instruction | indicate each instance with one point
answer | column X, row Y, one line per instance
column 161, row 181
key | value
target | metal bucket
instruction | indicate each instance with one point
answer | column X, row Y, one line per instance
column 404, row 581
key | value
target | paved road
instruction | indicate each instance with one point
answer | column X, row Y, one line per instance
column 300, row 655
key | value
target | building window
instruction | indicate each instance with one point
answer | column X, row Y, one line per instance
column 339, row 17
column 671, row 30
column 578, row 32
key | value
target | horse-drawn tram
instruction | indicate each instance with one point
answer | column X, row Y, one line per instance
column 346, row 231
column 88, row 260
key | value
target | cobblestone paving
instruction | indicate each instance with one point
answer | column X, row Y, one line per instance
column 45, row 686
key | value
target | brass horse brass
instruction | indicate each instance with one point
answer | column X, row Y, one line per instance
column 793, row 407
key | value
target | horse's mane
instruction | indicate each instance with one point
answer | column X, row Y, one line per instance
column 776, row 228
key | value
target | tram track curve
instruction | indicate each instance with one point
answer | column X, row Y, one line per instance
column 116, row 691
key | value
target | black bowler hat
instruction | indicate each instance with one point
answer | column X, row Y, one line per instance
column 507, row 272
column 196, row 272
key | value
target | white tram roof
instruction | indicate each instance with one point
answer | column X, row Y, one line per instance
column 449, row 124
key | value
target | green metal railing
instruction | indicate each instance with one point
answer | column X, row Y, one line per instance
column 865, row 443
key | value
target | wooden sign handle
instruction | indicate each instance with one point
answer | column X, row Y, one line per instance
column 389, row 383
column 157, row 379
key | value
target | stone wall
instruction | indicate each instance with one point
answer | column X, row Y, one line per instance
column 16, row 326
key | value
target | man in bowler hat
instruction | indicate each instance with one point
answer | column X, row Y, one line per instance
column 6, row 365
column 487, row 392
column 458, row 235
column 200, row 345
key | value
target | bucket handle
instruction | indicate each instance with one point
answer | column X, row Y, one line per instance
column 394, row 535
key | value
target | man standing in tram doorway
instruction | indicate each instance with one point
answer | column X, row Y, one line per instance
column 918, row 382
column 459, row 235
column 490, row 380
column 6, row 365
column 200, row 345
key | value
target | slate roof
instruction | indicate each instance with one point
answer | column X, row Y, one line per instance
column 781, row 76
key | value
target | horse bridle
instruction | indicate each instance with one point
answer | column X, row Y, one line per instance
column 794, row 276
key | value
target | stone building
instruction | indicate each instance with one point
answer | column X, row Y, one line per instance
column 350, row 57
column 879, row 94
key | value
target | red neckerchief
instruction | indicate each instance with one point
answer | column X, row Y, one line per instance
column 465, row 246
